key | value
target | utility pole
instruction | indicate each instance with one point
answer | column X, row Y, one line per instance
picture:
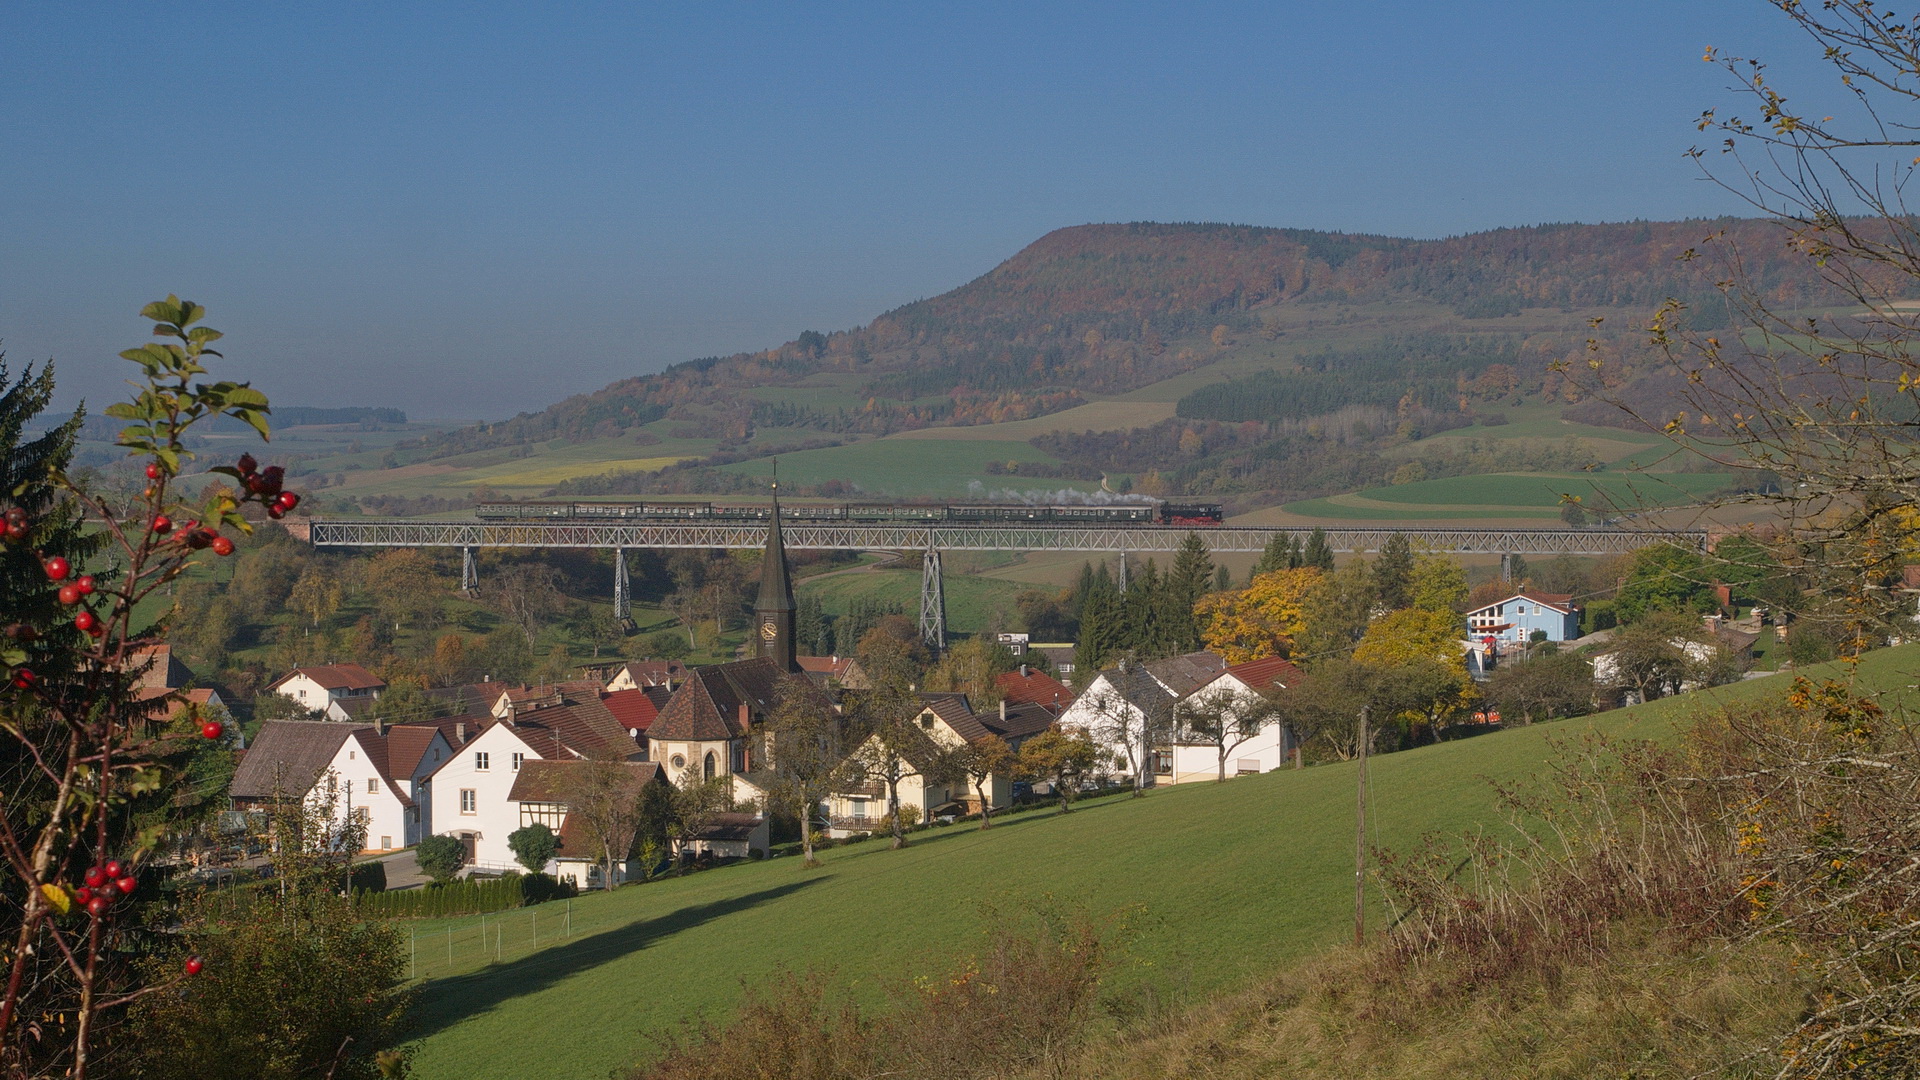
column 1360, row 838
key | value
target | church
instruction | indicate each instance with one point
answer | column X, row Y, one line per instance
column 713, row 724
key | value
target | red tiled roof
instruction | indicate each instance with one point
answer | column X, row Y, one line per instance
column 954, row 711
column 706, row 708
column 375, row 746
column 406, row 745
column 635, row 709
column 1266, row 672
column 1034, row 688
column 336, row 677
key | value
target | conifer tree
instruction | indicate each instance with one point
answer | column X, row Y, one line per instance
column 1318, row 553
column 1393, row 573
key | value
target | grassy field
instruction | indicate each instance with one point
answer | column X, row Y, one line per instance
column 904, row 467
column 971, row 600
column 1234, row 880
column 1510, row 495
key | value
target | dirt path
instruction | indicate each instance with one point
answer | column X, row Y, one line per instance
column 887, row 558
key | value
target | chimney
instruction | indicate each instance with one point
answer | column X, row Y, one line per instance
column 1003, row 710
column 1023, row 671
column 379, row 726
column 745, row 717
column 460, row 732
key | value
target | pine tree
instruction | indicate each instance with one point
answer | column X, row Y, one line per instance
column 1318, row 552
column 25, row 468
column 1190, row 579
column 1100, row 623
column 1393, row 573
column 1279, row 554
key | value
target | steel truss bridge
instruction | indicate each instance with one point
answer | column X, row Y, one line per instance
column 1120, row 540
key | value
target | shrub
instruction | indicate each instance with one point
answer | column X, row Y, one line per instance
column 369, row 877
column 533, row 846
column 440, row 857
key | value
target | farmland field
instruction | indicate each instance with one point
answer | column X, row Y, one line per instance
column 1511, row 495
column 905, row 468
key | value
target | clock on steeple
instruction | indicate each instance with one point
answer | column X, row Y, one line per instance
column 773, row 610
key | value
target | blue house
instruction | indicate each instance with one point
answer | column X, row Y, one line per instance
column 1514, row 620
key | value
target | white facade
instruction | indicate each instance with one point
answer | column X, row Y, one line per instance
column 310, row 694
column 360, row 791
column 1188, row 761
column 468, row 795
column 1104, row 714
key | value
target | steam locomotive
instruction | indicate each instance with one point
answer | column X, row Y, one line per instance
column 1201, row 515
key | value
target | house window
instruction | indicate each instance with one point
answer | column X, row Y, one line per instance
column 479, row 761
column 859, row 809
column 517, row 759
column 710, row 765
column 926, row 721
column 679, row 761
column 386, row 842
column 1163, row 762
column 361, row 816
column 373, row 785
column 467, row 802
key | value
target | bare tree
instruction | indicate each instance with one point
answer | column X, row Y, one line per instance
column 602, row 796
column 526, row 595
column 807, row 751
column 1228, row 718
column 1128, row 712
column 895, row 748
column 979, row 761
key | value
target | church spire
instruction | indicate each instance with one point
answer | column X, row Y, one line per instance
column 773, row 610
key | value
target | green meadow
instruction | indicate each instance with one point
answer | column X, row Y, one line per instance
column 1229, row 881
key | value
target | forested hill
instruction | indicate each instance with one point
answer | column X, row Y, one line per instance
column 1102, row 309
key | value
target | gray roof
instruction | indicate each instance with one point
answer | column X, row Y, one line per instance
column 287, row 756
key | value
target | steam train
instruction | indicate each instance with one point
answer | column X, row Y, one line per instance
column 1201, row 515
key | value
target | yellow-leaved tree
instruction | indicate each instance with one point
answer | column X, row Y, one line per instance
column 1260, row 620
column 1423, row 683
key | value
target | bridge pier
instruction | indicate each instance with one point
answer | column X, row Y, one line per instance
column 622, row 598
column 1121, row 581
column 1506, row 567
column 469, row 572
column 933, row 603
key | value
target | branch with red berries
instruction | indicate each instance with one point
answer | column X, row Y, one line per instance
column 94, row 744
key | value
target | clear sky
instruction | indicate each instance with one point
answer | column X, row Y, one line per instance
column 473, row 210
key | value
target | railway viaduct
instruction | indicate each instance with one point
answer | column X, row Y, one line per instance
column 1118, row 540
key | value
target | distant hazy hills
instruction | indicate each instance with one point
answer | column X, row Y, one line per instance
column 1103, row 309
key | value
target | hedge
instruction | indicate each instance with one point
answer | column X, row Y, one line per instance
column 471, row 897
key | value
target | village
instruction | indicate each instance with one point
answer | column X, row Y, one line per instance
column 497, row 759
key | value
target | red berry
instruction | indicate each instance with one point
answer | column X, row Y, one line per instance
column 113, row 868
column 126, row 884
column 162, row 524
column 153, row 472
column 85, row 584
column 274, row 512
column 16, row 530
column 212, row 729
column 96, row 877
column 222, row 546
column 84, row 895
column 98, row 630
column 58, row 568
column 70, row 594
column 246, row 464
column 98, row 906
column 16, row 516
column 85, row 621
column 196, row 538
column 194, row 965
column 24, row 678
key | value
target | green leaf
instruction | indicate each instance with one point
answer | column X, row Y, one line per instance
column 163, row 311
column 120, row 410
column 200, row 335
column 243, row 394
column 255, row 418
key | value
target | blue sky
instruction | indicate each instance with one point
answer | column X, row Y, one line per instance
column 472, row 210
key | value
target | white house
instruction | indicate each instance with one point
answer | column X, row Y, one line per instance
column 320, row 685
column 469, row 793
column 1190, row 756
column 1120, row 709
column 321, row 762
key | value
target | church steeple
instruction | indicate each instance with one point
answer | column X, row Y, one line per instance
column 773, row 610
